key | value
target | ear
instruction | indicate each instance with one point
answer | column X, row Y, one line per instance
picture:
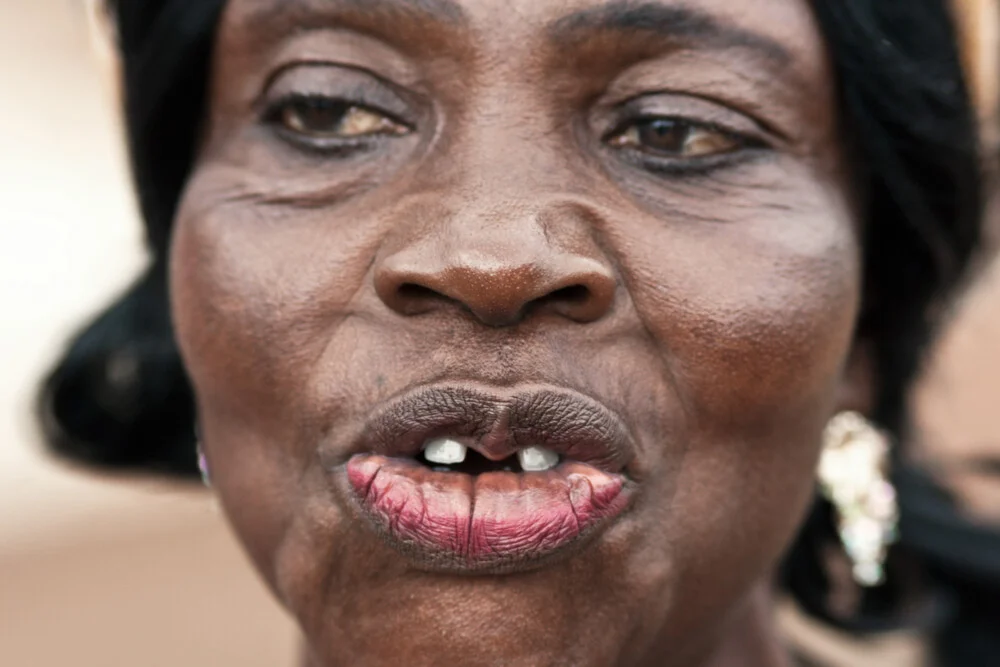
column 857, row 381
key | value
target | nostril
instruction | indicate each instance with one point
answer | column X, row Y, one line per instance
column 408, row 291
column 414, row 299
column 575, row 294
column 579, row 301
column 563, row 299
column 497, row 295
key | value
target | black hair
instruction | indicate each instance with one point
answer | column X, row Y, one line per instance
column 120, row 397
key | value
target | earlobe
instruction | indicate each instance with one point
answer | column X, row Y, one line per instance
column 854, row 475
column 856, row 392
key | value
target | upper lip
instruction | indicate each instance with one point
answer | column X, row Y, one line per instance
column 498, row 424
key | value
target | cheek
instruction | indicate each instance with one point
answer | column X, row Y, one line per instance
column 256, row 287
column 754, row 315
column 752, row 297
column 255, row 296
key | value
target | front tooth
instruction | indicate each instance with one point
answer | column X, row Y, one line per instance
column 444, row 451
column 537, row 459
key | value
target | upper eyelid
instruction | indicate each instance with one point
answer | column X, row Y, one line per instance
column 262, row 100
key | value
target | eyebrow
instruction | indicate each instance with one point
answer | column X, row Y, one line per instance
column 671, row 21
column 436, row 11
column 677, row 22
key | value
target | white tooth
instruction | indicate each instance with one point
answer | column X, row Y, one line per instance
column 537, row 459
column 444, row 451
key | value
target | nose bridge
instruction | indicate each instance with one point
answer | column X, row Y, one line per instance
column 496, row 232
column 508, row 189
column 503, row 186
column 507, row 144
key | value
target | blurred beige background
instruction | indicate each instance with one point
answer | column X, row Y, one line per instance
column 119, row 573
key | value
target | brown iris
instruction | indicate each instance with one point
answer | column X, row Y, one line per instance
column 321, row 118
column 675, row 138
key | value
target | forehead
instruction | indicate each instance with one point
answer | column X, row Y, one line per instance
column 775, row 30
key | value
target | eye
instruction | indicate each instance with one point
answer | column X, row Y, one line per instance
column 322, row 118
column 675, row 138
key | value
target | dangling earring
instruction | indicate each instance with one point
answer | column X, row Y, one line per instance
column 206, row 478
column 853, row 477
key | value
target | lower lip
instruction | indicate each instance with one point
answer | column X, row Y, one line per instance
column 488, row 522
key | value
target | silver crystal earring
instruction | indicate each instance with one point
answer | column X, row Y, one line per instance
column 853, row 476
column 206, row 478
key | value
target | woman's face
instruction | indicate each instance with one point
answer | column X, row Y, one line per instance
column 603, row 250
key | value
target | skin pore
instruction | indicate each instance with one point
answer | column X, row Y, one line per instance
column 641, row 203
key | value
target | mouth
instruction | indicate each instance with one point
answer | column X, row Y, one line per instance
column 466, row 480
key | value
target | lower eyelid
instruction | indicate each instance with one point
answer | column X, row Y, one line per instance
column 271, row 122
column 704, row 166
column 324, row 148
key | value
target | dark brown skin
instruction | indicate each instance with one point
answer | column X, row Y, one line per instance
column 714, row 289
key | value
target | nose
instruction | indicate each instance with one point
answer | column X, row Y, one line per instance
column 501, row 274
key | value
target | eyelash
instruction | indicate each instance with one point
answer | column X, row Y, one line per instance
column 746, row 149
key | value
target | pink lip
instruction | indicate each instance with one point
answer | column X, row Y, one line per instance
column 489, row 522
column 494, row 521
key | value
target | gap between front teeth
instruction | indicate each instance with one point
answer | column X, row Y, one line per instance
column 537, row 459
column 444, row 451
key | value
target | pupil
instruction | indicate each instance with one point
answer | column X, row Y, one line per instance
column 664, row 135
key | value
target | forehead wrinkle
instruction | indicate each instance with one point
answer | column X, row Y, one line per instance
column 686, row 25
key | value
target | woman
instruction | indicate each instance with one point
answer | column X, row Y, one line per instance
column 516, row 330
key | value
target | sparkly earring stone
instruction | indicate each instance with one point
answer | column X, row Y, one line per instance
column 853, row 477
column 206, row 478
